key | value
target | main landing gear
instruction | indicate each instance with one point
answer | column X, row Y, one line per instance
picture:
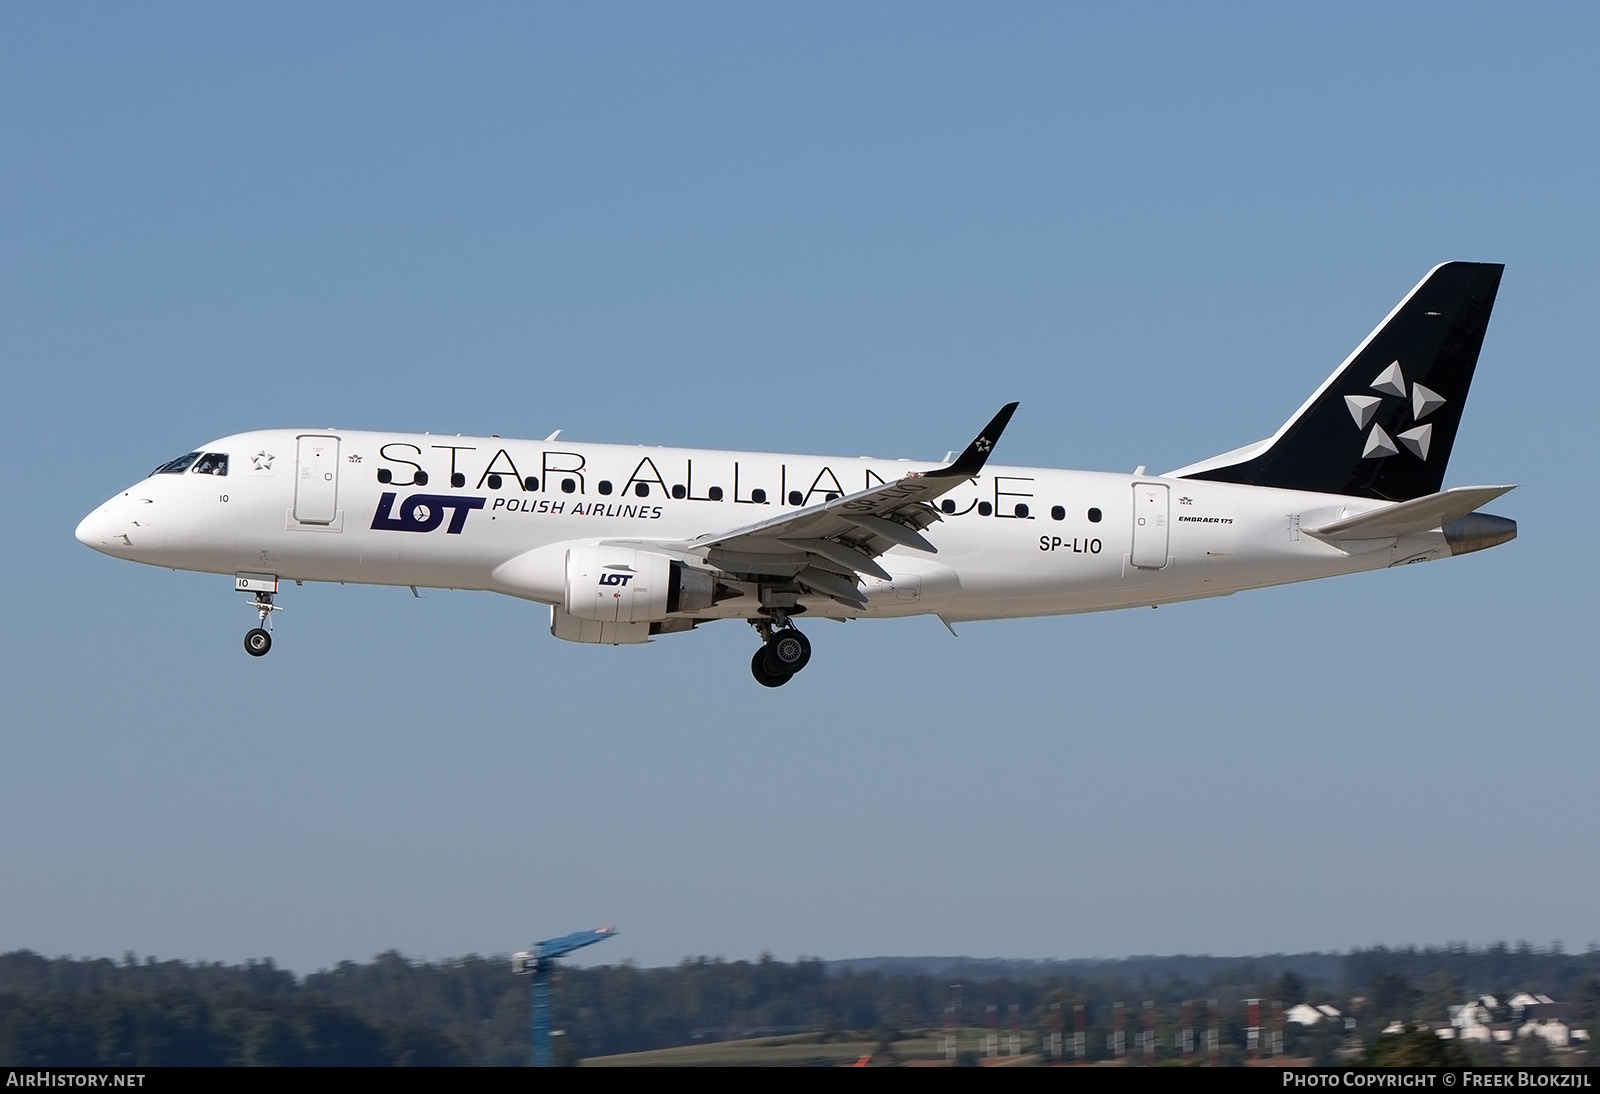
column 784, row 651
column 257, row 641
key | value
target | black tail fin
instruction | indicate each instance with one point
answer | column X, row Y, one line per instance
column 1383, row 424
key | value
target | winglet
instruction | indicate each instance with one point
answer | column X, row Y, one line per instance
column 971, row 461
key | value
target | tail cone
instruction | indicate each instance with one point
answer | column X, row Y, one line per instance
column 1477, row 532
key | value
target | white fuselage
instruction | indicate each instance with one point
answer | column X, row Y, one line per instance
column 334, row 505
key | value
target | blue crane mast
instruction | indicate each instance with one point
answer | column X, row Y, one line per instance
column 539, row 963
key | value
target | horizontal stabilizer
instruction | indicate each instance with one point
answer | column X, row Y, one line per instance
column 1425, row 514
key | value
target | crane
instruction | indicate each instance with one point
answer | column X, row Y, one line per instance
column 539, row 963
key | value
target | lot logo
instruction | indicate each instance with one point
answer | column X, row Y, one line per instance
column 424, row 513
column 615, row 579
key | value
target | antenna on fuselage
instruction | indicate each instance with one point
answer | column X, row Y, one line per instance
column 553, row 436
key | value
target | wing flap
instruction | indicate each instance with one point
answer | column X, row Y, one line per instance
column 843, row 554
column 842, row 589
column 892, row 531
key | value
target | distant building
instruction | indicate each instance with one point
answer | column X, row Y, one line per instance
column 1307, row 1015
column 1542, row 1016
column 1531, row 1016
column 1474, row 1021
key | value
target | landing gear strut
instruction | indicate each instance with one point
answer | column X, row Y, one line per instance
column 257, row 641
column 784, row 651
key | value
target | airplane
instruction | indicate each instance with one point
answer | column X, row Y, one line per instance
column 625, row 543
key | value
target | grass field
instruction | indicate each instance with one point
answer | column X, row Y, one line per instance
column 806, row 1050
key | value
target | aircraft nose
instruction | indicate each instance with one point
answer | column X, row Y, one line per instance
column 100, row 529
column 90, row 528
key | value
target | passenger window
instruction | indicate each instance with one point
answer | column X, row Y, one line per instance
column 212, row 463
column 177, row 466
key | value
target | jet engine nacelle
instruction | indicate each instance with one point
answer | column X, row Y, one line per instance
column 623, row 585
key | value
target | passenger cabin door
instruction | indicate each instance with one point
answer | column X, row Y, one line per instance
column 316, row 484
column 1150, row 500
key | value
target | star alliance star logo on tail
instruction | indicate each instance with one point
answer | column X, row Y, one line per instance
column 1363, row 408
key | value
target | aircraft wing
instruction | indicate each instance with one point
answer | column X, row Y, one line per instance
column 823, row 547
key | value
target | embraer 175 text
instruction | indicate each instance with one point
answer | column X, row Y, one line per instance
column 626, row 542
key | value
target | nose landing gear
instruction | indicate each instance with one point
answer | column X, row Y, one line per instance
column 784, row 652
column 257, row 641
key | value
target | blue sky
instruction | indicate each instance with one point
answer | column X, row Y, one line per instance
column 829, row 228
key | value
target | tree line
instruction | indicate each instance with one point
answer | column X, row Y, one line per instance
column 473, row 1010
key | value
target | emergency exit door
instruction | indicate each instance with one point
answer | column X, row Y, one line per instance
column 316, row 483
column 1150, row 501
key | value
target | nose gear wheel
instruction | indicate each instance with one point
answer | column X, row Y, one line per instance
column 257, row 641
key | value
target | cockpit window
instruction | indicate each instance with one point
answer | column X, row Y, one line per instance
column 212, row 463
column 177, row 466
